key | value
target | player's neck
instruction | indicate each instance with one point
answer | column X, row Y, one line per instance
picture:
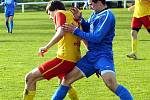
column 101, row 9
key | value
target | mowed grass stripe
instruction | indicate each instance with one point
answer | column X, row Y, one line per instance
column 18, row 55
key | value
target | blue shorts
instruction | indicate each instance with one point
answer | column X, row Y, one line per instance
column 9, row 11
column 104, row 64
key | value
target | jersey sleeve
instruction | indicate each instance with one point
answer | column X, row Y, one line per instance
column 85, row 24
column 59, row 19
column 102, row 28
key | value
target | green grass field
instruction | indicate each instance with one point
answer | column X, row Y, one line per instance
column 18, row 55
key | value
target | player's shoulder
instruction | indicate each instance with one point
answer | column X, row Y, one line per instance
column 64, row 12
column 107, row 13
column 60, row 14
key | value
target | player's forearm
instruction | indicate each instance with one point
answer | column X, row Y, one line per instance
column 85, row 25
column 97, row 35
column 131, row 9
column 50, row 44
column 58, row 35
column 91, row 37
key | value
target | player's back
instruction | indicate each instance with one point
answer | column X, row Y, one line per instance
column 142, row 8
column 69, row 45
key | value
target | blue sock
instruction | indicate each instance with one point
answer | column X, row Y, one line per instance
column 11, row 25
column 123, row 93
column 60, row 92
column 7, row 25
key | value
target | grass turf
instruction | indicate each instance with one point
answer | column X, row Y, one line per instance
column 18, row 55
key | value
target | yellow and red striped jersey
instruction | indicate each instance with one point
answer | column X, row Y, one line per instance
column 69, row 45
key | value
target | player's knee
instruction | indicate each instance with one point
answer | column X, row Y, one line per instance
column 111, row 84
column 28, row 77
column 134, row 34
column 66, row 81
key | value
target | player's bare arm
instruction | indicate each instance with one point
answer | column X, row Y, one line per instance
column 131, row 9
column 58, row 35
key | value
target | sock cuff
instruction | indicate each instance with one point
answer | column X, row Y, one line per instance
column 31, row 92
column 72, row 90
column 64, row 87
column 118, row 90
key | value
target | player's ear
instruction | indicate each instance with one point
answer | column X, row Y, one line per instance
column 74, row 10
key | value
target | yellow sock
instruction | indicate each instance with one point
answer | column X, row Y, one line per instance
column 28, row 95
column 73, row 94
column 134, row 46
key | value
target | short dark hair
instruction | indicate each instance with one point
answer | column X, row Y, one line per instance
column 103, row 1
column 55, row 5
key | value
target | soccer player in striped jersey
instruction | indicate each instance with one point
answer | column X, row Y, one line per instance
column 141, row 16
column 67, row 55
column 9, row 7
column 99, row 32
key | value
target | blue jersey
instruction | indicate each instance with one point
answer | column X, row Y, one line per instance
column 9, row 6
column 99, row 32
column 9, row 2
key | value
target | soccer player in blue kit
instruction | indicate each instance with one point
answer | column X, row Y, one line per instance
column 99, row 32
column 9, row 9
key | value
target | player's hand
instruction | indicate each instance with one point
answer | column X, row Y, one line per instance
column 76, row 12
column 69, row 27
column 42, row 50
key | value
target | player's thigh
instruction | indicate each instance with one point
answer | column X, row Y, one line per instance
column 34, row 74
column 136, row 24
column 107, row 71
column 104, row 65
column 11, row 17
column 146, row 22
column 86, row 66
column 72, row 76
column 56, row 67
column 6, row 18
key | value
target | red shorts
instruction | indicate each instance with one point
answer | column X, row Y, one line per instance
column 138, row 22
column 56, row 67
